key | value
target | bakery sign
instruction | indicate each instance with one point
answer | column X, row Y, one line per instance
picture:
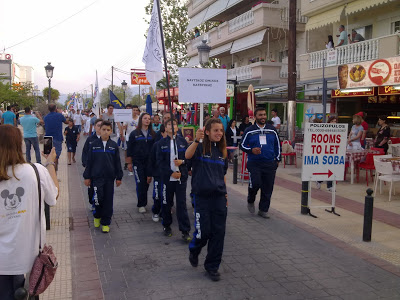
column 370, row 73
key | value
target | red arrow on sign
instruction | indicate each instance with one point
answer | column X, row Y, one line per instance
column 329, row 173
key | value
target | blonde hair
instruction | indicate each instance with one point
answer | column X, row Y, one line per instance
column 357, row 120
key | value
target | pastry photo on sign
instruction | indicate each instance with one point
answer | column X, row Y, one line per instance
column 343, row 72
column 357, row 73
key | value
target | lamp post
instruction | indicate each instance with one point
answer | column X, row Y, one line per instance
column 124, row 87
column 204, row 56
column 49, row 73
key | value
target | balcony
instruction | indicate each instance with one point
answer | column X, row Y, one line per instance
column 284, row 73
column 260, row 17
column 382, row 47
column 263, row 72
column 197, row 41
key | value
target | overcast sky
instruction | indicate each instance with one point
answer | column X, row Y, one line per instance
column 108, row 33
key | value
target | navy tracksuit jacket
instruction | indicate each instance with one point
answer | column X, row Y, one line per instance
column 103, row 167
column 139, row 147
column 262, row 167
column 91, row 138
column 210, row 204
column 163, row 157
column 153, row 171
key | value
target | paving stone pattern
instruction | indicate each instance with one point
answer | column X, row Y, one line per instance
column 263, row 259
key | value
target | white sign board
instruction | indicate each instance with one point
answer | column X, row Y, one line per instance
column 122, row 115
column 331, row 58
column 324, row 151
column 202, row 85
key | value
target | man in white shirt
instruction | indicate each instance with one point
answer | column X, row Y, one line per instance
column 78, row 120
column 343, row 39
column 276, row 119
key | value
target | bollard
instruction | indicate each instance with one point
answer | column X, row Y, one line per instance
column 368, row 212
column 304, row 198
column 235, row 169
column 47, row 215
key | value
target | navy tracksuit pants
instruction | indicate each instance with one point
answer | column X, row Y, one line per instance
column 210, row 222
column 157, row 195
column 179, row 189
column 262, row 175
column 103, row 199
column 91, row 193
column 140, row 172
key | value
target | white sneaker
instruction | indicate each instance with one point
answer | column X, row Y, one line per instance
column 330, row 189
column 142, row 209
column 130, row 174
column 318, row 185
column 156, row 217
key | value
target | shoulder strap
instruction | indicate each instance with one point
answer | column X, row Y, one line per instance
column 40, row 205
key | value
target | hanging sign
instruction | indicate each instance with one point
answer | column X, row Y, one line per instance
column 341, row 94
column 389, row 90
column 139, row 78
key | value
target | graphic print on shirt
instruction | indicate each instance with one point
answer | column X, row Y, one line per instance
column 12, row 201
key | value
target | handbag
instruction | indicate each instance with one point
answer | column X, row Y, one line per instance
column 45, row 266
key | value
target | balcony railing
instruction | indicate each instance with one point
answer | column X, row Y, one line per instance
column 362, row 51
column 299, row 17
column 241, row 21
column 241, row 73
column 197, row 41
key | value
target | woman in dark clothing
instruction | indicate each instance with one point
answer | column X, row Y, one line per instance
column 245, row 123
column 231, row 141
column 383, row 135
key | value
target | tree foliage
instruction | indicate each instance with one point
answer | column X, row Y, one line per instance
column 118, row 91
column 55, row 94
column 20, row 94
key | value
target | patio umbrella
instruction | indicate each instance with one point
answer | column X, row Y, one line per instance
column 149, row 109
column 251, row 102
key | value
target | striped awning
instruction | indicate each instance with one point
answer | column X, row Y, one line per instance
column 221, row 49
column 197, row 20
column 325, row 18
column 360, row 5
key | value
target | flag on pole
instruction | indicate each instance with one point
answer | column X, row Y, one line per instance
column 96, row 93
column 115, row 101
column 153, row 51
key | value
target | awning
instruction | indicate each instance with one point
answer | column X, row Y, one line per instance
column 215, row 9
column 193, row 61
column 328, row 17
column 232, row 3
column 197, row 20
column 360, row 5
column 221, row 49
column 248, row 42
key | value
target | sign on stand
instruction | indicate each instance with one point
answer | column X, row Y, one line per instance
column 123, row 115
column 324, row 153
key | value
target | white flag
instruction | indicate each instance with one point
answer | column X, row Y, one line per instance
column 96, row 93
column 152, row 56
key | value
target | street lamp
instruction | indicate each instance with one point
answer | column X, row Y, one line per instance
column 124, row 87
column 49, row 73
column 204, row 56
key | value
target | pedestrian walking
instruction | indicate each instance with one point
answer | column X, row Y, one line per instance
column 19, row 211
column 91, row 138
column 53, row 125
column 171, row 161
column 103, row 167
column 29, row 124
column 78, row 120
column 209, row 166
column 9, row 118
column 154, row 172
column 140, row 142
column 72, row 137
column 261, row 143
column 128, row 128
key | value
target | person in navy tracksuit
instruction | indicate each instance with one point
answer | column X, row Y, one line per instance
column 209, row 166
column 154, row 172
column 140, row 142
column 90, row 139
column 170, row 158
column 261, row 143
column 103, row 167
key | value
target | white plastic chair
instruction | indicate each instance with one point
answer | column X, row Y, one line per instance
column 384, row 172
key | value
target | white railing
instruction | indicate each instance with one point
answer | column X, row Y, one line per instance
column 241, row 73
column 197, row 41
column 362, row 51
column 299, row 17
column 241, row 21
column 284, row 72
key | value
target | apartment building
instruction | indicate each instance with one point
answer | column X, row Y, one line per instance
column 251, row 41
column 378, row 21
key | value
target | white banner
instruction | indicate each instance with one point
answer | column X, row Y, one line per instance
column 331, row 58
column 123, row 115
column 324, row 151
column 202, row 85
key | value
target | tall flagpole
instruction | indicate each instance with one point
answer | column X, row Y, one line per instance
column 165, row 67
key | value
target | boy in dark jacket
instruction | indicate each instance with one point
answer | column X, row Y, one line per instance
column 72, row 136
column 170, row 158
column 103, row 167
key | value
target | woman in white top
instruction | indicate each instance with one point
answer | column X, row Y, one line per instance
column 19, row 209
column 330, row 44
column 354, row 140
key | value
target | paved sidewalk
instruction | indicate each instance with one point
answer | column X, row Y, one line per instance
column 263, row 259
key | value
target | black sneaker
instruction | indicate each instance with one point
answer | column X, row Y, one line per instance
column 194, row 260
column 126, row 167
column 167, row 231
column 214, row 275
column 186, row 236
